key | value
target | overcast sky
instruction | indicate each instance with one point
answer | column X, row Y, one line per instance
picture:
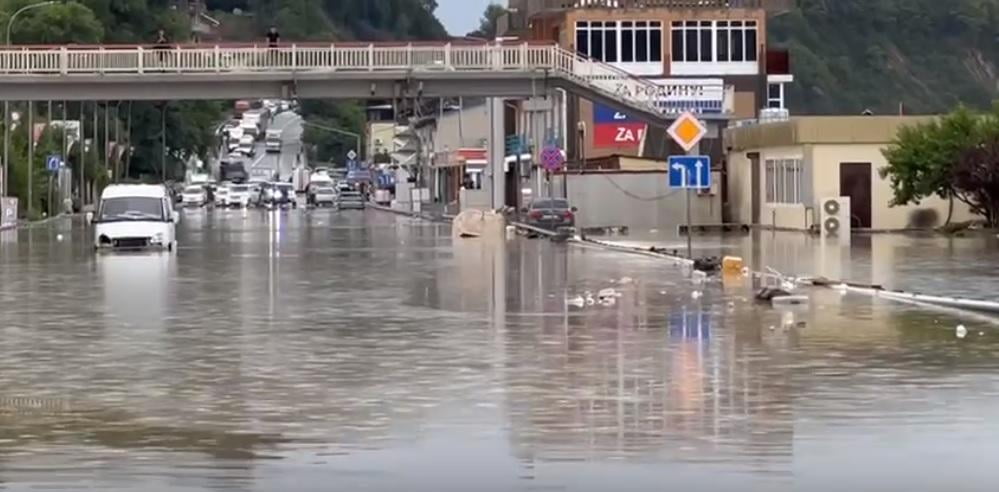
column 461, row 16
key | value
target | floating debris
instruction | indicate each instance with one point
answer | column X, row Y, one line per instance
column 608, row 293
column 767, row 294
column 696, row 294
column 961, row 331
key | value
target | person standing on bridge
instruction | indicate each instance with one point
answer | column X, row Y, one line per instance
column 273, row 37
column 161, row 47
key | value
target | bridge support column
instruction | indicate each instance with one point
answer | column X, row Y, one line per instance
column 497, row 152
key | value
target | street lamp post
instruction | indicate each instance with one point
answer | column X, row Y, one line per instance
column 6, row 104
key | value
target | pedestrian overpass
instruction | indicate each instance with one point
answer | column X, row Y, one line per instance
column 307, row 71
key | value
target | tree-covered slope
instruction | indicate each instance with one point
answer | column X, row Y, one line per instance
column 928, row 55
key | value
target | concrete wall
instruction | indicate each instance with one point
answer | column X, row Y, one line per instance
column 883, row 217
column 636, row 200
column 821, row 176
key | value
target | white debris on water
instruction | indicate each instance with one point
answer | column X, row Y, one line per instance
column 696, row 295
column 626, row 281
column 608, row 293
column 961, row 331
column 59, row 237
column 577, row 301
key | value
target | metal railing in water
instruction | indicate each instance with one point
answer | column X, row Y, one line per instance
column 550, row 59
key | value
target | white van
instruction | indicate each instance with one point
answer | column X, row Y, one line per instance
column 273, row 140
column 134, row 217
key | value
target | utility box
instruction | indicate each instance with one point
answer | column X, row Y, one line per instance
column 8, row 212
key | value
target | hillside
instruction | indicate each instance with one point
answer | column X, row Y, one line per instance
column 929, row 55
column 300, row 20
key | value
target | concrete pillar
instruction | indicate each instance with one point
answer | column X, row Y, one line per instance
column 497, row 152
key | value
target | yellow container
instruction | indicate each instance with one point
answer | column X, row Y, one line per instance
column 732, row 265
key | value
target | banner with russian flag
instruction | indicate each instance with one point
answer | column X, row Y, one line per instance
column 616, row 129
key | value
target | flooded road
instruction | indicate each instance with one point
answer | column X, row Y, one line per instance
column 364, row 351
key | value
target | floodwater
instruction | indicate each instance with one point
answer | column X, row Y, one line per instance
column 927, row 263
column 364, row 351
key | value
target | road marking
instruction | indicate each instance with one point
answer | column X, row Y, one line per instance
column 264, row 155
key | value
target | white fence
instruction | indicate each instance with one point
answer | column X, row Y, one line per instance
column 68, row 61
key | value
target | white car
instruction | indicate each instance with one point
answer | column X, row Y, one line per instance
column 194, row 196
column 222, row 195
column 246, row 144
column 134, row 217
column 239, row 195
column 323, row 196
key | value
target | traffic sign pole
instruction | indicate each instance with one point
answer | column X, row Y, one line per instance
column 686, row 182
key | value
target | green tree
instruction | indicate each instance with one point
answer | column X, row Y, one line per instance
column 488, row 24
column 925, row 55
column 52, row 24
column 331, row 146
column 955, row 157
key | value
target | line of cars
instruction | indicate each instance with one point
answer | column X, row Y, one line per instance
column 270, row 194
column 324, row 191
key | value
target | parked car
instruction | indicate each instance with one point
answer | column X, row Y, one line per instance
column 255, row 188
column 550, row 213
column 350, row 199
column 247, row 145
column 134, row 217
column 239, row 195
column 222, row 195
column 286, row 194
column 322, row 196
column 277, row 195
column 195, row 196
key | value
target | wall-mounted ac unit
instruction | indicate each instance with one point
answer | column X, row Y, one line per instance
column 834, row 217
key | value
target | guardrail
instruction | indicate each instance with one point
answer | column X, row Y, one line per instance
column 69, row 61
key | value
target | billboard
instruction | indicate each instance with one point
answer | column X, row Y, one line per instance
column 675, row 96
column 616, row 129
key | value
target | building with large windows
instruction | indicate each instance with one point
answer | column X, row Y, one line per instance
column 709, row 57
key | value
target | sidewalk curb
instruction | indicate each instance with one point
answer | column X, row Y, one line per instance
column 34, row 223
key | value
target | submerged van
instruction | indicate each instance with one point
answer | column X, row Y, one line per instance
column 134, row 217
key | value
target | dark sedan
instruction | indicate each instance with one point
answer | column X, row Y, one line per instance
column 550, row 213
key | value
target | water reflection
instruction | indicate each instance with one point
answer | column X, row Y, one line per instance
column 377, row 348
column 136, row 288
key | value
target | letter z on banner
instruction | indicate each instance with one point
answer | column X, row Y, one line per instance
column 613, row 128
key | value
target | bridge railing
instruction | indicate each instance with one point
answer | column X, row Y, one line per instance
column 68, row 61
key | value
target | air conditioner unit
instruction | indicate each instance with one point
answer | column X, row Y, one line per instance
column 834, row 217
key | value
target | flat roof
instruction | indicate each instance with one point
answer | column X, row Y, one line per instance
column 819, row 130
column 133, row 190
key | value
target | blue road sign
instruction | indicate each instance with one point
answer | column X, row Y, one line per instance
column 53, row 163
column 689, row 171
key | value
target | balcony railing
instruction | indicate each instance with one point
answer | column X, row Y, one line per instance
column 105, row 62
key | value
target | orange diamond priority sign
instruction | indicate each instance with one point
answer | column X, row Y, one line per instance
column 687, row 131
